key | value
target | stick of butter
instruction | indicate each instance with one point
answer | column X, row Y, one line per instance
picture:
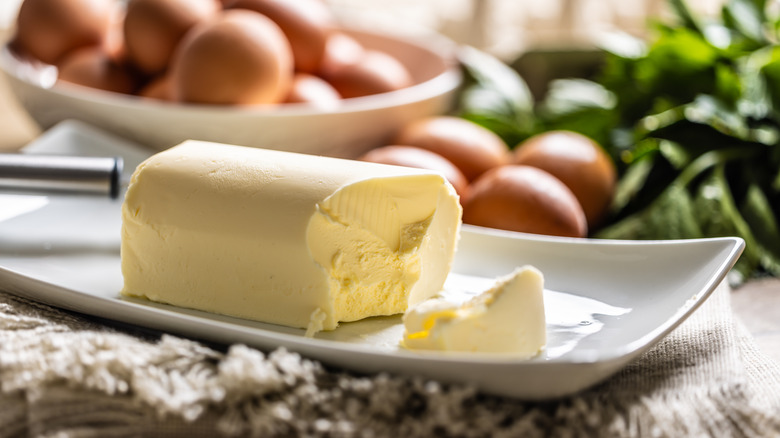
column 507, row 318
column 291, row 239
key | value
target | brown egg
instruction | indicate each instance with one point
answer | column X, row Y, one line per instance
column 240, row 57
column 92, row 67
column 154, row 28
column 471, row 147
column 410, row 156
column 340, row 50
column 158, row 88
column 114, row 40
column 314, row 91
column 306, row 23
column 525, row 199
column 375, row 72
column 50, row 29
column 578, row 162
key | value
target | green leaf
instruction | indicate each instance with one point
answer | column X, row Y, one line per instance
column 759, row 216
column 644, row 180
column 674, row 206
column 746, row 17
column 508, row 129
column 675, row 153
column 679, row 65
column 776, row 181
column 708, row 124
column 623, row 45
column 710, row 111
column 711, row 159
column 618, row 76
column 579, row 105
column 670, row 216
column 509, row 90
column 688, row 20
column 631, row 184
column 484, row 101
column 770, row 72
column 719, row 36
column 641, row 150
column 683, row 50
column 755, row 102
column 719, row 216
column 566, row 96
column 728, row 84
column 496, row 97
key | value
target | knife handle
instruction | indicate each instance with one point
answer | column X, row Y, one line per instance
column 61, row 174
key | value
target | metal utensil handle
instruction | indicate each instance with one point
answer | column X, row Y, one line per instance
column 60, row 173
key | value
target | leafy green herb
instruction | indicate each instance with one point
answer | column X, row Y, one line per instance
column 496, row 96
column 691, row 118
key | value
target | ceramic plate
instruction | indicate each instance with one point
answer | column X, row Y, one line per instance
column 606, row 301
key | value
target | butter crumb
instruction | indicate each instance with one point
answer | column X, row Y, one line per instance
column 315, row 322
column 507, row 318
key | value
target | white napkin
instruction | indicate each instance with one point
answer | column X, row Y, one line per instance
column 65, row 375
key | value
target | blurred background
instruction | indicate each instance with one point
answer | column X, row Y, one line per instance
column 504, row 28
column 532, row 32
column 507, row 28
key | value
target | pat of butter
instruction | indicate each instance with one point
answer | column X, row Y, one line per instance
column 507, row 318
column 284, row 238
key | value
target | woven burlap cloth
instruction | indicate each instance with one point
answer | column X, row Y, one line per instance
column 67, row 375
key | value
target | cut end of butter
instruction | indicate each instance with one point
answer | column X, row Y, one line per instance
column 285, row 238
column 507, row 318
column 380, row 243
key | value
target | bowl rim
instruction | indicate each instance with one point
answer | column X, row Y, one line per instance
column 13, row 64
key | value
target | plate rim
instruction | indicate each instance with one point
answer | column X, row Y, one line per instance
column 734, row 245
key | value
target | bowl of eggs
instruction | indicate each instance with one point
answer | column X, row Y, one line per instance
column 263, row 73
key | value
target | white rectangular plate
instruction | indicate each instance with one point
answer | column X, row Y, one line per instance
column 607, row 301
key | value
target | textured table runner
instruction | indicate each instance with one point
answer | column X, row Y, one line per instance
column 65, row 375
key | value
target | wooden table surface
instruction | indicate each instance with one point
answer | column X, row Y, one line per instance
column 756, row 304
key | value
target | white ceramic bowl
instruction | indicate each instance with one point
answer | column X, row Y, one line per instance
column 357, row 126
